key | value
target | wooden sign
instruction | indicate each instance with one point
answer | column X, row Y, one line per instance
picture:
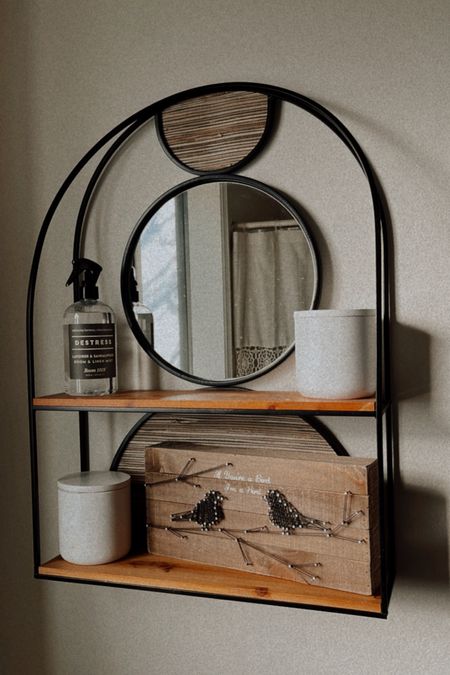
column 305, row 516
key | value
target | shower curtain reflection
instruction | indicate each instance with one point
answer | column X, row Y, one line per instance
column 272, row 275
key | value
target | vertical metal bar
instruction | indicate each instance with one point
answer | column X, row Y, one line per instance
column 83, row 422
column 380, row 377
column 382, row 514
column 34, row 489
column 390, row 501
column 389, row 430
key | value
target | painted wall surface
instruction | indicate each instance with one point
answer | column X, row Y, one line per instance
column 72, row 70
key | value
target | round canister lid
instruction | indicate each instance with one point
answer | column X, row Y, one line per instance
column 93, row 481
column 316, row 313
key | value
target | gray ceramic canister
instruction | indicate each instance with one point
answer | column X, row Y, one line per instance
column 335, row 353
column 94, row 517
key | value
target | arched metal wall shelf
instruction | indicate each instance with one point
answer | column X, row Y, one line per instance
column 379, row 408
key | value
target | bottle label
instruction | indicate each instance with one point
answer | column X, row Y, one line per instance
column 92, row 351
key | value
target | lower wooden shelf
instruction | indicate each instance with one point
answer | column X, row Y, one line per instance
column 169, row 574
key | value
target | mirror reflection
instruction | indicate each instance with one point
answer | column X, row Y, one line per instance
column 222, row 267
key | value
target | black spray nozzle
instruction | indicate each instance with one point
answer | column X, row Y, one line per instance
column 134, row 293
column 87, row 273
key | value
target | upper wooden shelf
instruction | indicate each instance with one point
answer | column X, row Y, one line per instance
column 206, row 399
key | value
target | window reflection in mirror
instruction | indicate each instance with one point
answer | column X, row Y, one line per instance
column 162, row 271
column 222, row 267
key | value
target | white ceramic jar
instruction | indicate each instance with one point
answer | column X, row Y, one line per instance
column 335, row 353
column 94, row 519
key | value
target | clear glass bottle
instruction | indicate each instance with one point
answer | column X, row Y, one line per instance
column 144, row 317
column 90, row 350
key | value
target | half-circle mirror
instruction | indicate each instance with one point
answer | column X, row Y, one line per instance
column 221, row 264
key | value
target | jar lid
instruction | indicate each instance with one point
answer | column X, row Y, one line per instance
column 316, row 313
column 93, row 481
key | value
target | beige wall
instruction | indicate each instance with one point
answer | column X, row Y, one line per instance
column 69, row 72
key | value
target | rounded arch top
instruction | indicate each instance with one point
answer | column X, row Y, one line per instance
column 155, row 110
column 130, row 124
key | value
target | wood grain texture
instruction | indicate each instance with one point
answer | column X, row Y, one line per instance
column 348, row 561
column 334, row 572
column 267, row 468
column 165, row 573
column 205, row 399
column 279, row 432
column 216, row 131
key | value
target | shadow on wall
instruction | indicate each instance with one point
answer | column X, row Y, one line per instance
column 23, row 619
column 422, row 541
column 412, row 361
column 421, row 513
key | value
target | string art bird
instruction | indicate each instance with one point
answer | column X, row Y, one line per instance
column 207, row 512
column 285, row 516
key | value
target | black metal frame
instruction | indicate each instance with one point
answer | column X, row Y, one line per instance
column 383, row 414
column 130, row 249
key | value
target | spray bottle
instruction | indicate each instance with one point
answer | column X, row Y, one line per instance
column 143, row 315
column 89, row 336
column 138, row 371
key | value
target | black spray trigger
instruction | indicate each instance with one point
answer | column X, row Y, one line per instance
column 88, row 272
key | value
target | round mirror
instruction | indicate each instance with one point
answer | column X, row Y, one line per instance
column 212, row 275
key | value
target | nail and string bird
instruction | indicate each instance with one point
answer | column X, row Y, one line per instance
column 208, row 513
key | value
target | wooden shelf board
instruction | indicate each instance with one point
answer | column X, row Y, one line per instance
column 170, row 574
column 205, row 399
